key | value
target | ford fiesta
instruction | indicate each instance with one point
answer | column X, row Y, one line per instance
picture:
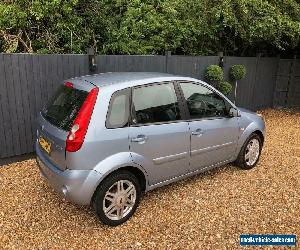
column 103, row 140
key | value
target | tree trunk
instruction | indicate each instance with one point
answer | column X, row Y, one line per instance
column 235, row 90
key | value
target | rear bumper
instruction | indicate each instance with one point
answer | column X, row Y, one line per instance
column 77, row 186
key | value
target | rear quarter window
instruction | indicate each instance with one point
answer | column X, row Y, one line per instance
column 118, row 111
column 63, row 107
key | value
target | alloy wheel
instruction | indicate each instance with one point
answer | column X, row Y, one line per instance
column 119, row 200
column 252, row 152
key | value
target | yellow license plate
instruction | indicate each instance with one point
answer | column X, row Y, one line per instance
column 45, row 144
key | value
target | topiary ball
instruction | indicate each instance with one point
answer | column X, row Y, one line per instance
column 237, row 72
column 214, row 73
column 225, row 88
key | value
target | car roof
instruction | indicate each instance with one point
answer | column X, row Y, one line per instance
column 122, row 80
column 126, row 78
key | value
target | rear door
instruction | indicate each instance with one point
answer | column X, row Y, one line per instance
column 158, row 135
column 55, row 121
column 213, row 134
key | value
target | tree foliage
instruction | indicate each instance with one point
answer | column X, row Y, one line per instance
column 214, row 73
column 237, row 72
column 225, row 88
column 198, row 27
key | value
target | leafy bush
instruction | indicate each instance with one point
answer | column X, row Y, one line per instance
column 201, row 27
column 225, row 87
column 237, row 72
column 214, row 73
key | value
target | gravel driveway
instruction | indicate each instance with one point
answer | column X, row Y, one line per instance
column 208, row 211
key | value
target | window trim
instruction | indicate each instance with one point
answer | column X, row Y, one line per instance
column 179, row 100
column 178, row 82
column 127, row 92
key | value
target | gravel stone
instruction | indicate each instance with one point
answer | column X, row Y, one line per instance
column 208, row 211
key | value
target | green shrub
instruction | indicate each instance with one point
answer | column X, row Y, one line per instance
column 214, row 73
column 130, row 27
column 237, row 72
column 225, row 87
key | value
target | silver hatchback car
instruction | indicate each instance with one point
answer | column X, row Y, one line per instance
column 104, row 139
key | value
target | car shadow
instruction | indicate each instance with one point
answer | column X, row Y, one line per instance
column 210, row 174
column 86, row 214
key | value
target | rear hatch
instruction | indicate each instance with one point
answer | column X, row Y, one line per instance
column 56, row 119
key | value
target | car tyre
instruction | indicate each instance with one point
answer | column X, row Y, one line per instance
column 117, row 197
column 250, row 152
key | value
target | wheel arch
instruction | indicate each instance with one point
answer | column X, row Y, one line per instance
column 136, row 171
column 250, row 129
column 260, row 134
column 117, row 162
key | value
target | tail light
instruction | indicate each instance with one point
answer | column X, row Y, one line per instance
column 77, row 133
column 69, row 84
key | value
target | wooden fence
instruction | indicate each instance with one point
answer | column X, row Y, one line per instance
column 28, row 80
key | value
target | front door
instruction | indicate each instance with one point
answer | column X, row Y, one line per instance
column 159, row 139
column 213, row 134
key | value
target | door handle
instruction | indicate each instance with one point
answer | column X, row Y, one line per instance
column 139, row 138
column 198, row 132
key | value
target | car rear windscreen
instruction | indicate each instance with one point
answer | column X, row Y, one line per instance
column 63, row 107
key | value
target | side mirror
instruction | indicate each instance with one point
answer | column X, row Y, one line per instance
column 234, row 112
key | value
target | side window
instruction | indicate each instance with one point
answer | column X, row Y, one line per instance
column 155, row 103
column 118, row 111
column 202, row 102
